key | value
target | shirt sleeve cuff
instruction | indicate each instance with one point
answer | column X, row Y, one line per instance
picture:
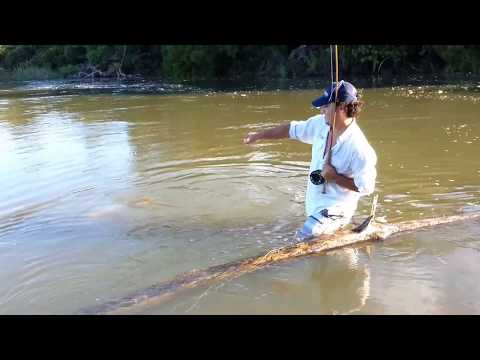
column 363, row 188
column 292, row 131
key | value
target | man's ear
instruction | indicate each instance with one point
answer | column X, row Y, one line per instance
column 341, row 108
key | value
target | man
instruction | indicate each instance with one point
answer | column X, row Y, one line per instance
column 339, row 179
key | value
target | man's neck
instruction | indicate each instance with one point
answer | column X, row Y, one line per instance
column 341, row 125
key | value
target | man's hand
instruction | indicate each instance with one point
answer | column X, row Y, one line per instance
column 329, row 173
column 279, row 132
column 250, row 138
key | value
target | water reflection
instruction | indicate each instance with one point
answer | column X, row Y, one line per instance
column 338, row 283
column 56, row 156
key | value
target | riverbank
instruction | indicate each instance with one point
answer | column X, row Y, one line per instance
column 156, row 85
column 38, row 73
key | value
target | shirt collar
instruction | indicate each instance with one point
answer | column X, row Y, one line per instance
column 348, row 131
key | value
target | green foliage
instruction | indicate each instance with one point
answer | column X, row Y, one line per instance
column 185, row 62
column 17, row 55
column 197, row 61
column 272, row 60
column 33, row 72
column 52, row 57
column 459, row 58
column 374, row 56
column 68, row 70
column 223, row 61
column 145, row 60
column 3, row 52
column 75, row 54
column 100, row 55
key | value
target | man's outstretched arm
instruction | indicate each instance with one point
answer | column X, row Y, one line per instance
column 279, row 132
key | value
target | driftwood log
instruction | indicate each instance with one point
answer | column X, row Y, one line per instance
column 161, row 292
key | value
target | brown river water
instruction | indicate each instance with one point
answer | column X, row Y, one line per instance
column 109, row 188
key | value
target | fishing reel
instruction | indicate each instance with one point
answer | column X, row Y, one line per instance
column 316, row 177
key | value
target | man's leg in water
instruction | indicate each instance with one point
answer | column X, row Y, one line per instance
column 321, row 224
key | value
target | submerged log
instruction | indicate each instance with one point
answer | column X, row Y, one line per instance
column 159, row 293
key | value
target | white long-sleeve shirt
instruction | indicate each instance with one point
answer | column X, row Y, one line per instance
column 352, row 156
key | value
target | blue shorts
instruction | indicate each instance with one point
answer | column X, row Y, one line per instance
column 323, row 223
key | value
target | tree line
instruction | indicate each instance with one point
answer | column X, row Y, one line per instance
column 192, row 62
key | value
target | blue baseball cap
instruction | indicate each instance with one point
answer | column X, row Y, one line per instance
column 346, row 93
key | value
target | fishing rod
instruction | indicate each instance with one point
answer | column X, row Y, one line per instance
column 332, row 127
